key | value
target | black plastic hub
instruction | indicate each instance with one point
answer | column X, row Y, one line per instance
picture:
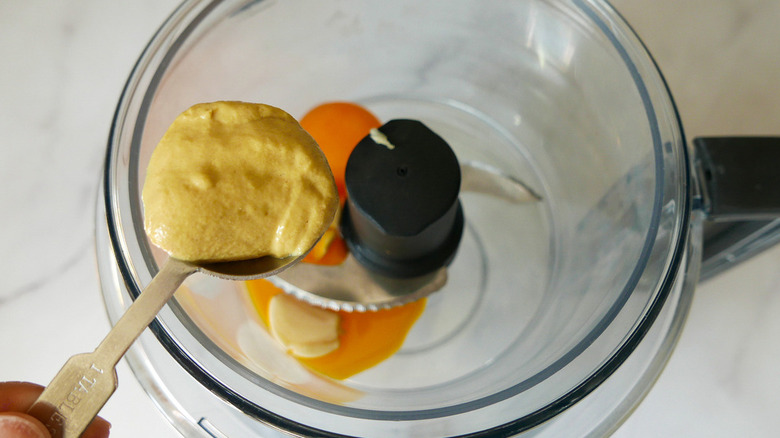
column 403, row 217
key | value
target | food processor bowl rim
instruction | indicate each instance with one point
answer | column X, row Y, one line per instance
column 515, row 426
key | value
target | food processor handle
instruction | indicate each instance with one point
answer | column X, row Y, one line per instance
column 740, row 187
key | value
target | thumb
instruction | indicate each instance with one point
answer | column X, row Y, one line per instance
column 18, row 425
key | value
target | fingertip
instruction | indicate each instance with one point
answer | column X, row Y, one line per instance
column 18, row 425
column 99, row 428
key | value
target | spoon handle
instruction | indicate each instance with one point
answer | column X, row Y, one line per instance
column 86, row 381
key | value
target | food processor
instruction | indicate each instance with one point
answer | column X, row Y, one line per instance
column 557, row 311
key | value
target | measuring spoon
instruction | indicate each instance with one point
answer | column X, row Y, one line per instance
column 86, row 381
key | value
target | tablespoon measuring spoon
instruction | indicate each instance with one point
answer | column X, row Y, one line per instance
column 86, row 381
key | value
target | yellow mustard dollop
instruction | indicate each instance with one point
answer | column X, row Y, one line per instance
column 234, row 181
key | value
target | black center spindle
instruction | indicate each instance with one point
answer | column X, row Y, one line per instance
column 403, row 217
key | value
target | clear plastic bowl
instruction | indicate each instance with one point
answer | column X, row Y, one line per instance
column 556, row 313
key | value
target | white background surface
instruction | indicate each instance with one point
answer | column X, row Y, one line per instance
column 63, row 67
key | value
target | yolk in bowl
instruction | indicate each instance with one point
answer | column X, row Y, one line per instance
column 338, row 127
column 365, row 338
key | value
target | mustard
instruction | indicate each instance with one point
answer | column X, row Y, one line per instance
column 234, row 181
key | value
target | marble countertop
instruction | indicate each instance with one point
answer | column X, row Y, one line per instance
column 66, row 62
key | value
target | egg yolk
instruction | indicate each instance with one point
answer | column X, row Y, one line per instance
column 365, row 338
column 338, row 127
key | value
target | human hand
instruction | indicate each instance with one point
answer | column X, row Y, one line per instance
column 16, row 398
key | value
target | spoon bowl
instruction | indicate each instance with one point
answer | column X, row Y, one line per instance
column 252, row 269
